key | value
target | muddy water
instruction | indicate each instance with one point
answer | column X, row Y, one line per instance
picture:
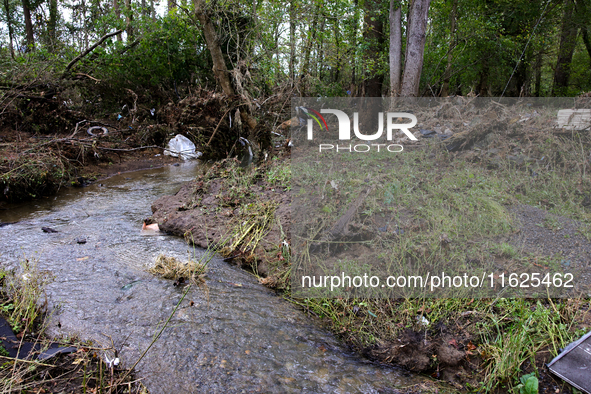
column 230, row 336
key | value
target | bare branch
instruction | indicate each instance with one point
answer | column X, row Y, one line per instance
column 92, row 48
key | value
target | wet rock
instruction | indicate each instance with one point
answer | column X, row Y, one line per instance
column 448, row 355
column 428, row 133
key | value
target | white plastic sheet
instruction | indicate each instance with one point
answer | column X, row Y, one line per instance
column 183, row 147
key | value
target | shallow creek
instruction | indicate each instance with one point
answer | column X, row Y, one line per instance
column 231, row 335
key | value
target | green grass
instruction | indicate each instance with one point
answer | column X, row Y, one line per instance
column 433, row 195
column 23, row 291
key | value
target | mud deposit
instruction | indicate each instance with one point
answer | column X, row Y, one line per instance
column 230, row 335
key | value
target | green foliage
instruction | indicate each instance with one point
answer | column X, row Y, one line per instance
column 20, row 295
column 170, row 52
column 528, row 385
column 279, row 174
column 334, row 50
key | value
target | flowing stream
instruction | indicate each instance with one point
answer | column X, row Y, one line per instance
column 231, row 335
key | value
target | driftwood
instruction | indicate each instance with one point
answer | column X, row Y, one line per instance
column 340, row 228
column 92, row 48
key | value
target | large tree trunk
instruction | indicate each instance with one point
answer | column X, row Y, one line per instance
column 483, row 83
column 292, row 41
column 452, row 45
column 587, row 41
column 28, row 26
column 584, row 16
column 395, row 48
column 354, row 90
column 84, row 24
column 311, row 37
column 219, row 65
column 10, row 27
column 129, row 20
column 52, row 23
column 538, row 73
column 117, row 15
column 415, row 47
column 568, row 39
column 337, row 43
column 374, row 38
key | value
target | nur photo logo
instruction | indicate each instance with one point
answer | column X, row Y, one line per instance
column 394, row 123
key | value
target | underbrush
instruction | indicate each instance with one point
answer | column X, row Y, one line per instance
column 28, row 177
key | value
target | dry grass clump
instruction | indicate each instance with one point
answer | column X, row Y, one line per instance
column 169, row 267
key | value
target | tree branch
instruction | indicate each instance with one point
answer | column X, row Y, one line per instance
column 92, row 48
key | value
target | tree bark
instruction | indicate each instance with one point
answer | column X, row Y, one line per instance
column 219, row 65
column 538, row 74
column 568, row 39
column 117, row 15
column 374, row 37
column 587, row 41
column 415, row 47
column 395, row 48
column 129, row 20
column 84, row 24
column 353, row 89
column 305, row 69
column 28, row 26
column 483, row 83
column 292, row 41
column 584, row 16
column 337, row 43
column 452, row 45
column 52, row 23
column 10, row 27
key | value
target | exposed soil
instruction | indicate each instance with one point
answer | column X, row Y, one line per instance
column 207, row 210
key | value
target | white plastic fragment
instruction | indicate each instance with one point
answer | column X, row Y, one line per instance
column 423, row 321
column 111, row 362
column 183, row 147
